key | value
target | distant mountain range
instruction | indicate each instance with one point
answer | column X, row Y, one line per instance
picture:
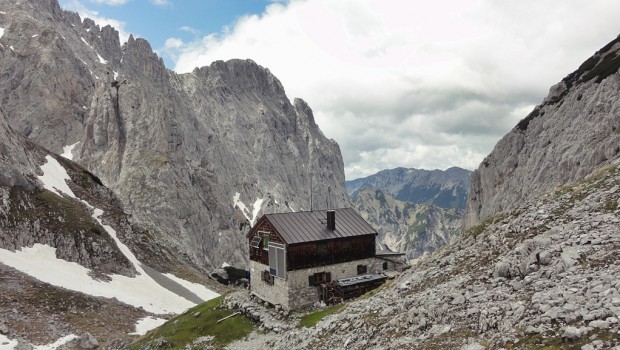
column 415, row 211
column 445, row 189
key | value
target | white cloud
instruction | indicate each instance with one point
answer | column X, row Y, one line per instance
column 414, row 83
column 171, row 48
column 173, row 43
column 84, row 12
column 190, row 30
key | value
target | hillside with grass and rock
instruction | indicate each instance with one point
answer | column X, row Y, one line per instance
column 74, row 269
column 541, row 275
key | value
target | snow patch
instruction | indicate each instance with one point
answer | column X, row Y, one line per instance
column 66, row 151
column 88, row 30
column 246, row 212
column 291, row 208
column 36, row 35
column 40, row 262
column 6, row 343
column 1, row 32
column 55, row 177
column 225, row 264
column 2, row 13
column 85, row 42
column 101, row 60
column 146, row 324
column 62, row 341
column 201, row 291
column 12, row 48
column 115, row 74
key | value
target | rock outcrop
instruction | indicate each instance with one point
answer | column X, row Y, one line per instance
column 195, row 158
column 573, row 132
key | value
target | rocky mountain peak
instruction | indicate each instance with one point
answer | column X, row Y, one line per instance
column 196, row 158
column 241, row 75
column 565, row 138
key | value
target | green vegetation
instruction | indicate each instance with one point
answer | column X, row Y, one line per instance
column 61, row 214
column 608, row 66
column 611, row 205
column 580, row 189
column 313, row 318
column 478, row 229
column 198, row 322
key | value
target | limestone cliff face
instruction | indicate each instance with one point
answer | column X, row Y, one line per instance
column 575, row 131
column 50, row 67
column 195, row 158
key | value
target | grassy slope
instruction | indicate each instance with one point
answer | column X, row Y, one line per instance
column 197, row 322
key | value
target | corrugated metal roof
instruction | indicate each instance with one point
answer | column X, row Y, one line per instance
column 309, row 226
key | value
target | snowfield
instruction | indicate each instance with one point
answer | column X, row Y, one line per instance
column 40, row 262
column 253, row 216
column 146, row 324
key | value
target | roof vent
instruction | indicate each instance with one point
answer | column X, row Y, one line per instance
column 331, row 220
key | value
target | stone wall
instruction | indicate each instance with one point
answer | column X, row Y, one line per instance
column 295, row 292
column 276, row 294
column 301, row 294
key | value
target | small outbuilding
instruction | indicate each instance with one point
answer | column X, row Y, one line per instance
column 293, row 256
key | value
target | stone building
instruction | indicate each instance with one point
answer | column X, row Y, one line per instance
column 294, row 255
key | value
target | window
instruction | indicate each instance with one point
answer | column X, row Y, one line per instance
column 319, row 277
column 361, row 269
column 266, row 277
column 255, row 242
column 266, row 241
column 277, row 260
column 385, row 266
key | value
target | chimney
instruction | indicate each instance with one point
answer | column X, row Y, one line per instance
column 331, row 220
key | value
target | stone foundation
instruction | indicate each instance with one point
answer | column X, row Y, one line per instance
column 295, row 292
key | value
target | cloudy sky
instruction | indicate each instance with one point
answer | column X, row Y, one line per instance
column 421, row 84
